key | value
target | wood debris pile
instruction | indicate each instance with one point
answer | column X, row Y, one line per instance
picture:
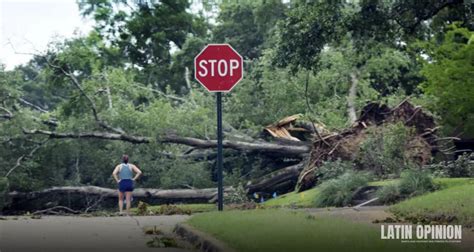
column 346, row 144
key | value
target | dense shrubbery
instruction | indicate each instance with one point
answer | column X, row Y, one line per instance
column 389, row 194
column 333, row 169
column 340, row 191
column 384, row 150
column 412, row 183
column 461, row 167
column 415, row 182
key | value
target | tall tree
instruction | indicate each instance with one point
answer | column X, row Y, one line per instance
column 146, row 33
column 374, row 33
column 449, row 73
column 248, row 25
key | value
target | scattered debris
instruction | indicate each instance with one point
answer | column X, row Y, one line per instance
column 152, row 231
column 162, row 242
column 142, row 208
column 56, row 210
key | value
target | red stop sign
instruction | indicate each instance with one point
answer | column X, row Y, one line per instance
column 218, row 67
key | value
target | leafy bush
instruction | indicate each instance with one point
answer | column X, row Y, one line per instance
column 389, row 194
column 412, row 183
column 384, row 150
column 340, row 191
column 4, row 188
column 332, row 169
column 415, row 182
column 461, row 167
column 238, row 196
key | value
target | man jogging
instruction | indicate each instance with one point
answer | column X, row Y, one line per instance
column 123, row 174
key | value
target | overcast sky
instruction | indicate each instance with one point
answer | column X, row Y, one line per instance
column 31, row 24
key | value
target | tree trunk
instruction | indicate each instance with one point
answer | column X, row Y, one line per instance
column 80, row 197
column 351, row 98
column 287, row 149
column 277, row 181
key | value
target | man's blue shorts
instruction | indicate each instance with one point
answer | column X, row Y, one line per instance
column 126, row 185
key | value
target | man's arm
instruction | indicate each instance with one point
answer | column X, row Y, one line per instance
column 137, row 171
column 115, row 173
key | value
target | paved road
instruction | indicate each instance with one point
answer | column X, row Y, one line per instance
column 64, row 233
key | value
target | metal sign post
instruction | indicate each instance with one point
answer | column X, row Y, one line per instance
column 220, row 189
column 218, row 67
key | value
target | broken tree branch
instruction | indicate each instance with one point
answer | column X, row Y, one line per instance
column 29, row 155
column 287, row 149
column 351, row 97
column 95, row 113
column 171, row 97
column 40, row 109
column 53, row 210
column 8, row 115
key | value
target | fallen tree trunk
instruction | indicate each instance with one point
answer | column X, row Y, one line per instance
column 80, row 198
column 273, row 148
column 278, row 181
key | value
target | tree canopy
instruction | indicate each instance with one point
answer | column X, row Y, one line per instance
column 127, row 86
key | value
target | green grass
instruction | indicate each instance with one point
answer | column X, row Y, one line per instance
column 284, row 230
column 450, row 182
column 308, row 197
column 455, row 198
column 294, row 199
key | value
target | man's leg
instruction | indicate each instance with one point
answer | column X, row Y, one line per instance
column 128, row 196
column 120, row 198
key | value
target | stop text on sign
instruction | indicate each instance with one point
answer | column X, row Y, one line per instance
column 222, row 68
column 218, row 67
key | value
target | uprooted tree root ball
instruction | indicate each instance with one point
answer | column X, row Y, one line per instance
column 346, row 145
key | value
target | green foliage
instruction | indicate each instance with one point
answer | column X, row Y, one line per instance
column 384, row 150
column 305, row 199
column 449, row 72
column 453, row 204
column 415, row 182
column 238, row 196
column 305, row 32
column 333, row 169
column 136, row 68
column 145, row 33
column 340, row 191
column 263, row 92
column 265, row 89
column 463, row 166
column 184, row 174
column 4, row 189
column 412, row 182
column 248, row 25
column 162, row 242
column 389, row 194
